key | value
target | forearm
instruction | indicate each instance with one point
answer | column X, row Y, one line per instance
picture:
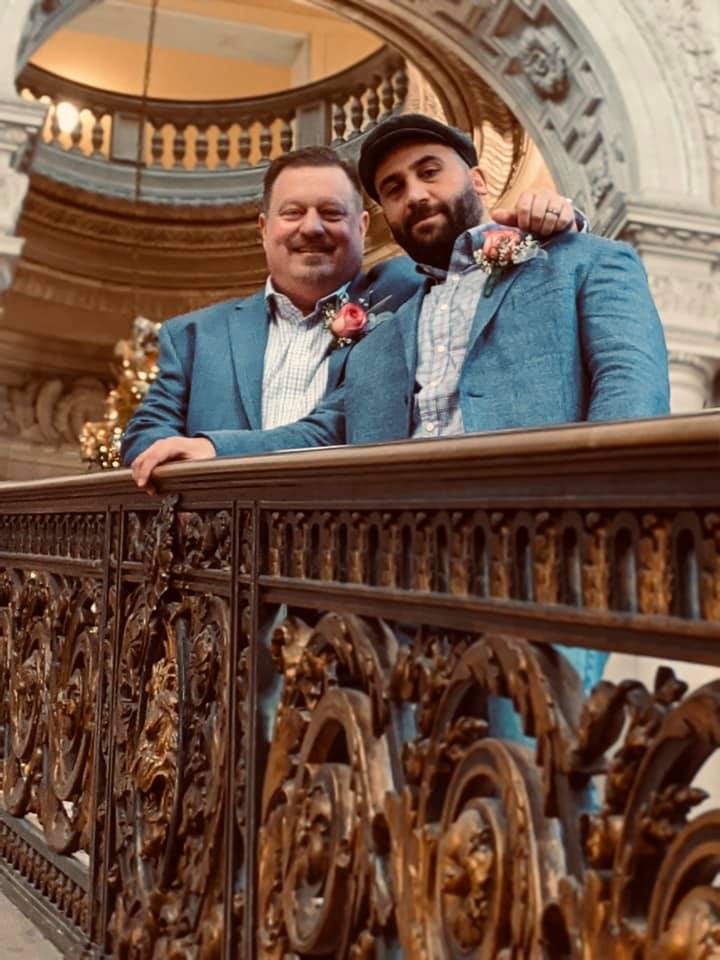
column 324, row 427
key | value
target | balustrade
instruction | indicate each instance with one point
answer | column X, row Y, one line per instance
column 212, row 137
column 250, row 717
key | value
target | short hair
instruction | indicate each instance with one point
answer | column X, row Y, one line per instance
column 309, row 157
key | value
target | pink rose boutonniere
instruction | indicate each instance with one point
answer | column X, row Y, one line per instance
column 504, row 247
column 348, row 322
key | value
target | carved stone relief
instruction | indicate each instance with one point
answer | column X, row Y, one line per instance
column 50, row 411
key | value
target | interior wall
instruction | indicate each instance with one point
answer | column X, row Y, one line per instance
column 308, row 46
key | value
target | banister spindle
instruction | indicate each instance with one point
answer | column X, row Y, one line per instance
column 387, row 95
column 400, row 85
column 372, row 104
column 179, row 146
column 157, row 143
column 76, row 135
column 97, row 136
column 265, row 140
column 339, row 123
column 201, row 148
column 223, row 147
column 244, row 143
column 286, row 134
column 356, row 115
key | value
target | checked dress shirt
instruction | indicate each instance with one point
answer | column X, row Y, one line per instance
column 296, row 359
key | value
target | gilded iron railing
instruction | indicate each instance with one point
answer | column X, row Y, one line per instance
column 204, row 151
column 249, row 718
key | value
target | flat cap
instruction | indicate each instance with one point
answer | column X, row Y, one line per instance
column 408, row 126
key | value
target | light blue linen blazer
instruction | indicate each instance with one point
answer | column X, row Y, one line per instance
column 573, row 336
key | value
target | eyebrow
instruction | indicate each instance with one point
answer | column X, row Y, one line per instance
column 386, row 181
column 322, row 202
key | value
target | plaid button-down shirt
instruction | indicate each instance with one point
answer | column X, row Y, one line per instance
column 296, row 359
column 446, row 317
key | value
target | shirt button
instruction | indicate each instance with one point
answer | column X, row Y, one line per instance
column 429, row 426
column 441, row 348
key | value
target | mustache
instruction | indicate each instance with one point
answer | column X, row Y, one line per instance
column 310, row 246
column 421, row 212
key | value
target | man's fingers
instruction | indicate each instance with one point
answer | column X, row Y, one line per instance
column 539, row 214
column 143, row 466
column 555, row 212
column 523, row 210
column 162, row 451
column 507, row 218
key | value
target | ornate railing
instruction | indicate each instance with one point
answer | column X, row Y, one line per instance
column 250, row 718
column 195, row 152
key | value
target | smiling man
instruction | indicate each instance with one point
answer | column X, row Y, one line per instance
column 266, row 360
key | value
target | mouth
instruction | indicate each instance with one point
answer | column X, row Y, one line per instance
column 312, row 250
column 427, row 220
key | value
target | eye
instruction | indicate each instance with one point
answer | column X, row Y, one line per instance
column 391, row 190
column 429, row 171
column 291, row 213
column 332, row 213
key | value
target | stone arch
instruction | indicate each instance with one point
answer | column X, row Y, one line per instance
column 609, row 94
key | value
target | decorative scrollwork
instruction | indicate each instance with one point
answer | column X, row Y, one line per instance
column 172, row 721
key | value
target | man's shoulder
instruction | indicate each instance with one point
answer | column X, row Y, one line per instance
column 393, row 282
column 586, row 246
column 208, row 316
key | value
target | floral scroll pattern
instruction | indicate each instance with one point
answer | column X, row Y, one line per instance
column 397, row 815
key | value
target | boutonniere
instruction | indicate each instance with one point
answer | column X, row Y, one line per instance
column 504, row 247
column 348, row 322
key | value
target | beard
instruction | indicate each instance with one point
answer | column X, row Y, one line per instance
column 434, row 244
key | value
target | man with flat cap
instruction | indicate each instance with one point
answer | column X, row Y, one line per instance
column 504, row 332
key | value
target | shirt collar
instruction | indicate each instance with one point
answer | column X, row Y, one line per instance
column 278, row 302
column 463, row 255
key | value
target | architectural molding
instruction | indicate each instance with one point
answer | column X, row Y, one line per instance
column 19, row 126
column 23, row 354
column 656, row 225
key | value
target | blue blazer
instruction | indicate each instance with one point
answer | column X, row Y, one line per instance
column 211, row 363
column 573, row 336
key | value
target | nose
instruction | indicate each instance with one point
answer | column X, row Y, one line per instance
column 417, row 191
column 311, row 224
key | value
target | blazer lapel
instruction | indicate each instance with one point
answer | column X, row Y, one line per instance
column 248, row 332
column 335, row 365
column 406, row 320
column 488, row 306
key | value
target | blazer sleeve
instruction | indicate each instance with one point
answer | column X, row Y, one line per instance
column 322, row 427
column 162, row 412
column 622, row 338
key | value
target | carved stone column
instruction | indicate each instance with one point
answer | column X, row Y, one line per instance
column 691, row 382
column 19, row 125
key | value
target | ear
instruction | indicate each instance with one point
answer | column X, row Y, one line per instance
column 262, row 226
column 364, row 222
column 477, row 178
